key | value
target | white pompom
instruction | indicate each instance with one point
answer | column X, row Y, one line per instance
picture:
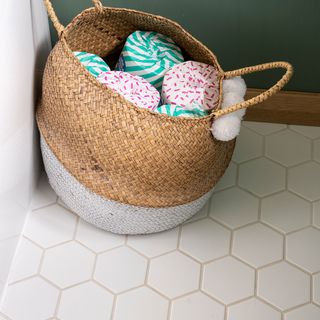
column 230, row 99
column 234, row 85
column 226, row 127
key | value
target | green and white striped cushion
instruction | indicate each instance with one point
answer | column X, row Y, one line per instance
column 92, row 62
column 178, row 111
column 149, row 55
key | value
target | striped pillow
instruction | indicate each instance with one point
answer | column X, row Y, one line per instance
column 149, row 55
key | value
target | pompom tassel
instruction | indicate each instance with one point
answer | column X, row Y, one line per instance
column 227, row 127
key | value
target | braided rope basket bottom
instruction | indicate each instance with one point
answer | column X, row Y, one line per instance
column 112, row 215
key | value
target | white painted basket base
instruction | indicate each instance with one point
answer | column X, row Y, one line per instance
column 111, row 215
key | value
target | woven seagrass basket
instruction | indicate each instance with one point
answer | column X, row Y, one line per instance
column 122, row 168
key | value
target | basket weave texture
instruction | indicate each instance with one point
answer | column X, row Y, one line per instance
column 112, row 147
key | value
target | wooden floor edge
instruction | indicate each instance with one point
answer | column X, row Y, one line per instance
column 289, row 107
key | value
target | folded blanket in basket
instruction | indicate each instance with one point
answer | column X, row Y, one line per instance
column 191, row 82
column 134, row 88
column 149, row 55
column 194, row 111
column 93, row 63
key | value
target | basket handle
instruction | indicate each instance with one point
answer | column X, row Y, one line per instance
column 53, row 16
column 264, row 95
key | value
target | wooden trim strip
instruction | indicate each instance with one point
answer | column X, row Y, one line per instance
column 290, row 107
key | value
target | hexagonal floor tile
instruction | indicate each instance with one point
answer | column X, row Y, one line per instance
column 141, row 303
column 85, row 301
column 174, row 274
column 120, row 269
column 316, row 288
column 32, row 299
column 249, row 146
column 50, row 226
column 43, row 195
column 258, row 245
column 297, row 148
column 196, row 306
column 262, row 177
column 309, row 311
column 220, row 276
column 205, row 240
column 252, row 309
column 304, row 180
column 155, row 244
column 283, row 285
column 67, row 264
column 264, row 128
column 228, row 179
column 308, row 131
column 303, row 249
column 96, row 239
column 285, row 211
column 234, row 207
column 26, row 262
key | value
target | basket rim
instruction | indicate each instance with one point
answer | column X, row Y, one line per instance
column 131, row 105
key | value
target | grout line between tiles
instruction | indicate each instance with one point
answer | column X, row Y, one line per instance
column 295, row 307
column 284, row 248
column 146, row 278
column 107, row 250
column 102, row 286
column 298, row 267
column 189, row 256
column 225, row 312
column 297, row 230
column 231, row 242
column 94, row 266
column 114, row 305
column 161, row 294
column 22, row 280
column 56, row 310
column 240, row 300
column 169, row 310
column 270, row 264
column 268, row 303
column 51, row 204
column 49, row 281
column 75, row 231
column 147, row 257
column 255, row 282
column 212, row 297
column 201, row 277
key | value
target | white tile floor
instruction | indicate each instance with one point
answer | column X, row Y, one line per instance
column 252, row 253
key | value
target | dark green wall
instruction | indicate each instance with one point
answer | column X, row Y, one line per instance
column 240, row 32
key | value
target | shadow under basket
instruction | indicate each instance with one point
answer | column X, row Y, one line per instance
column 125, row 169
